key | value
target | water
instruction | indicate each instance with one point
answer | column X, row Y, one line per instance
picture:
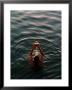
column 28, row 26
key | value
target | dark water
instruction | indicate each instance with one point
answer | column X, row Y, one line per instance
column 28, row 26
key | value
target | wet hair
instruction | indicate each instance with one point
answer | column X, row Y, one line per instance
column 36, row 59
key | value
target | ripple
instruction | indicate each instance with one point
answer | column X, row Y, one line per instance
column 28, row 26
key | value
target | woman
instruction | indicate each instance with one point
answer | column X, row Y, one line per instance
column 36, row 55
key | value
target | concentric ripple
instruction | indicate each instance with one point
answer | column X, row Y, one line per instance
column 28, row 26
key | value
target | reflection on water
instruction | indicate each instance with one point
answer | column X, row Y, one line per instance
column 28, row 26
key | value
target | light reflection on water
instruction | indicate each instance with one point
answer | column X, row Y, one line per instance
column 28, row 26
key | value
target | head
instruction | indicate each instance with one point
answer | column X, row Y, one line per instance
column 36, row 58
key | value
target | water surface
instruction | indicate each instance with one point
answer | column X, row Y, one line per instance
column 28, row 26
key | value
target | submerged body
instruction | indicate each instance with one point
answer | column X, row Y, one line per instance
column 36, row 56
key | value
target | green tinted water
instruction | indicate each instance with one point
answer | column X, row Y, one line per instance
column 28, row 26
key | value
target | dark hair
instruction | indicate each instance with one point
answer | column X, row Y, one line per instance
column 36, row 59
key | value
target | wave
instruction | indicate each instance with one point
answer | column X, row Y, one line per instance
column 28, row 26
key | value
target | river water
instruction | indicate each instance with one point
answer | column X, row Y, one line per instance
column 27, row 27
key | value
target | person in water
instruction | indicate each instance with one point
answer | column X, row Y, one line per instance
column 36, row 54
